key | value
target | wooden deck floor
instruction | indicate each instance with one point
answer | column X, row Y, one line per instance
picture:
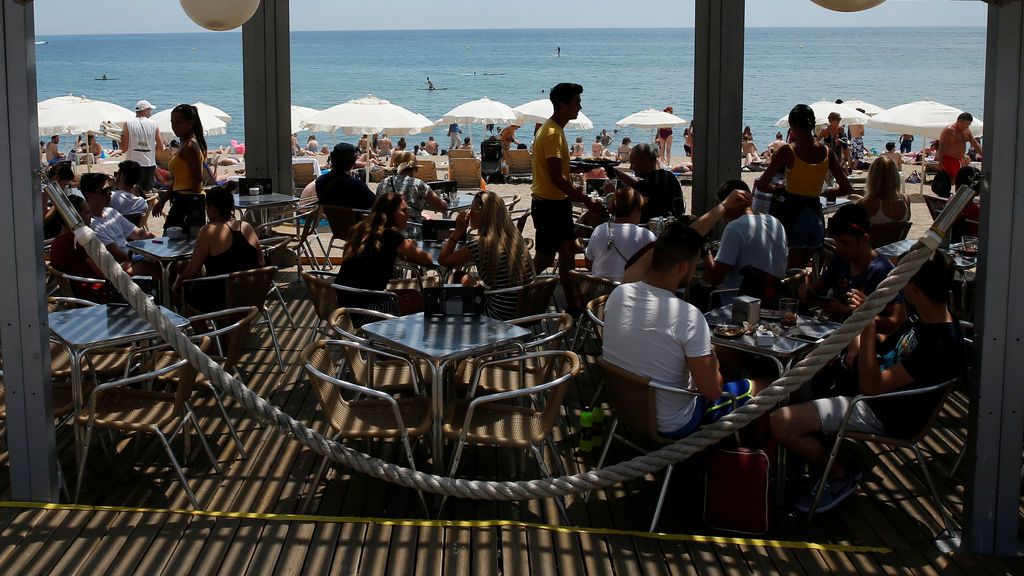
column 138, row 535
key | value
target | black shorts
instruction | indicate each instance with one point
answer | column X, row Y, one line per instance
column 552, row 223
column 148, row 180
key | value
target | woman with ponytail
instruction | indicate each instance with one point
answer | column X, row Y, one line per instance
column 806, row 164
column 186, row 195
column 372, row 247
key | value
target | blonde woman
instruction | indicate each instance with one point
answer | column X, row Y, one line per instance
column 499, row 252
column 416, row 192
column 883, row 197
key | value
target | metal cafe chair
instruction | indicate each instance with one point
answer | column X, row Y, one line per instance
column 949, row 533
column 379, row 416
column 116, row 406
column 380, row 371
column 494, row 420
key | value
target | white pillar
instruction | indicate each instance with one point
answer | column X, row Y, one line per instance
column 717, row 97
column 23, row 331
column 997, row 399
column 266, row 77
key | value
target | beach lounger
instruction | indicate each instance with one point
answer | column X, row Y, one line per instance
column 466, row 172
column 460, row 153
column 520, row 165
column 304, row 171
column 426, row 170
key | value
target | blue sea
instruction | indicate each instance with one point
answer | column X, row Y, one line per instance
column 622, row 70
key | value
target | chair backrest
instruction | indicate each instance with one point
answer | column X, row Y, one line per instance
column 632, row 399
column 520, row 162
column 597, row 306
column 535, row 296
column 376, row 300
column 328, row 396
column 302, row 174
column 465, row 171
column 589, row 286
column 945, row 389
column 882, row 234
column 341, row 219
column 249, row 287
column 186, row 378
column 322, row 295
column 935, row 204
column 426, row 170
column 521, row 216
column 460, row 153
column 310, row 220
column 342, row 321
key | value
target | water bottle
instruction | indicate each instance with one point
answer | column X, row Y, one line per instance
column 586, row 431
column 597, row 417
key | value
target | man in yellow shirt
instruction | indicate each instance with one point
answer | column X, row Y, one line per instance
column 553, row 193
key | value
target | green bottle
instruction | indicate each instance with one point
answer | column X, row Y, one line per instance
column 586, row 431
column 598, row 429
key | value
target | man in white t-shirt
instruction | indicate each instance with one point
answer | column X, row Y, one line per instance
column 612, row 244
column 140, row 140
column 749, row 240
column 113, row 229
column 124, row 198
column 654, row 334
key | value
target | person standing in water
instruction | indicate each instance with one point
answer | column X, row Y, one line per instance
column 430, row 85
column 558, row 51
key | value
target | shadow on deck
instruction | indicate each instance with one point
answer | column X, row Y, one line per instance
column 891, row 509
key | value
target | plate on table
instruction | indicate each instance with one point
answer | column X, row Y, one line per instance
column 728, row 331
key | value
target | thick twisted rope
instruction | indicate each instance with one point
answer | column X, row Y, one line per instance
column 268, row 413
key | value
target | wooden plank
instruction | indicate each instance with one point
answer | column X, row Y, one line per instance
column 32, row 542
column 430, row 552
column 457, row 551
column 64, row 536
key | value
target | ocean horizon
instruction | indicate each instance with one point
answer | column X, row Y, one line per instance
column 623, row 70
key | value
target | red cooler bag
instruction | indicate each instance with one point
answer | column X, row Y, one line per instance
column 737, row 490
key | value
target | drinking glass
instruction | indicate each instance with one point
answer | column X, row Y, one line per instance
column 970, row 245
column 788, row 312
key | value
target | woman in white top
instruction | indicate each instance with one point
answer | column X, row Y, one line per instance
column 613, row 243
column 883, row 197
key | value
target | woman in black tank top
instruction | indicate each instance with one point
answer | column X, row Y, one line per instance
column 223, row 246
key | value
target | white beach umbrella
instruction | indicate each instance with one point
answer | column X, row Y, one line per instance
column 299, row 115
column 538, row 111
column 57, row 101
column 368, row 115
column 925, row 118
column 822, row 108
column 212, row 125
column 207, row 110
column 482, row 111
column 868, row 108
column 651, row 119
column 78, row 115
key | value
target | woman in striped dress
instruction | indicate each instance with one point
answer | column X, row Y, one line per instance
column 498, row 251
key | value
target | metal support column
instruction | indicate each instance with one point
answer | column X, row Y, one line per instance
column 266, row 76
column 997, row 399
column 23, row 332
column 718, row 97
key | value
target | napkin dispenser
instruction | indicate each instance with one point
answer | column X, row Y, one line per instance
column 746, row 309
column 453, row 300
column 255, row 186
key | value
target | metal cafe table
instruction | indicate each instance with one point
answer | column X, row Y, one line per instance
column 263, row 202
column 462, row 201
column 100, row 326
column 164, row 251
column 442, row 340
column 792, row 343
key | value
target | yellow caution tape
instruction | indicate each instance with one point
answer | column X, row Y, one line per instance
column 734, row 540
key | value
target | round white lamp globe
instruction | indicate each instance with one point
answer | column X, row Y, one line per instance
column 220, row 14
column 847, row 5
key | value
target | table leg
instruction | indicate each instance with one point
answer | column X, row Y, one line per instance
column 165, row 283
column 437, row 401
column 76, row 397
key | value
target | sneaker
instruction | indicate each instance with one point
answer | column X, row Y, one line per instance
column 832, row 495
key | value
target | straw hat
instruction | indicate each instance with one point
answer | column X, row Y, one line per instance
column 408, row 163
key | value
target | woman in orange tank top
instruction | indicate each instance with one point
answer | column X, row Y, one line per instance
column 806, row 164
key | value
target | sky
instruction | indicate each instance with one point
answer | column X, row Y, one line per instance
column 161, row 16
